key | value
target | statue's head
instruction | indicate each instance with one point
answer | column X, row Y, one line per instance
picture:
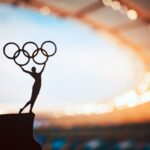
column 33, row 69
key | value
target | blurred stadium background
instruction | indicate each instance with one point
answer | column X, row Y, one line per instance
column 120, row 122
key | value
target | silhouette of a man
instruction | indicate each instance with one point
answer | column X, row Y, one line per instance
column 36, row 86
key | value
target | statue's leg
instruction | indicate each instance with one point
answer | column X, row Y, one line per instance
column 31, row 107
column 33, row 101
column 29, row 102
column 35, row 93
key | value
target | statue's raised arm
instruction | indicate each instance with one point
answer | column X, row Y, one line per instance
column 25, row 70
column 43, row 68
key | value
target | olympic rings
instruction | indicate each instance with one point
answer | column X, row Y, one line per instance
column 29, row 56
column 51, row 42
column 35, row 53
column 30, row 43
column 25, row 54
column 4, row 49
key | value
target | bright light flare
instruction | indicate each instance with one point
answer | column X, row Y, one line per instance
column 119, row 102
column 145, row 97
column 132, row 99
column 132, row 14
column 116, row 5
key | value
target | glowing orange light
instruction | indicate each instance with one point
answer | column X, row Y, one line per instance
column 45, row 10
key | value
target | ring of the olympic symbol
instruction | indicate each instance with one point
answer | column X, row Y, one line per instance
column 26, row 53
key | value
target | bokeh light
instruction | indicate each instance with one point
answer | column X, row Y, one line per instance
column 132, row 14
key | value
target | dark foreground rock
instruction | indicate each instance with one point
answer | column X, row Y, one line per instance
column 16, row 132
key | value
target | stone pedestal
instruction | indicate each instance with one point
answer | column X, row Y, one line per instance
column 16, row 132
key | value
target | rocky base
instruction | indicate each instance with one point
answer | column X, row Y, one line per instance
column 16, row 132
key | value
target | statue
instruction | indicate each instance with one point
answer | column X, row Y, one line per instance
column 36, row 75
column 36, row 87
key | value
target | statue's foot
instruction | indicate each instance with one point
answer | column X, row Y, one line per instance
column 20, row 111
